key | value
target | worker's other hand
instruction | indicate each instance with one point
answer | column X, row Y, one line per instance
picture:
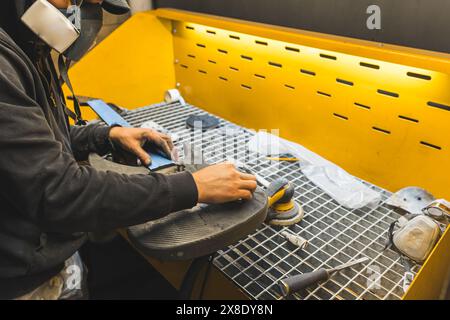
column 223, row 183
column 132, row 140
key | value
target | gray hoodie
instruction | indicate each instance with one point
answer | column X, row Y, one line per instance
column 48, row 200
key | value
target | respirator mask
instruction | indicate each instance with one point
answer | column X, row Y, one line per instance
column 71, row 32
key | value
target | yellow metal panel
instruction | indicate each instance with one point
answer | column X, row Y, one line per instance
column 369, row 116
column 396, row 54
column 132, row 67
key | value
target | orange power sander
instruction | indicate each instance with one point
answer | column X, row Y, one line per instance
column 283, row 209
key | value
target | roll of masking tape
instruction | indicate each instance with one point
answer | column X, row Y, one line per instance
column 173, row 95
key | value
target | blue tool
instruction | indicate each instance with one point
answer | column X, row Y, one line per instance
column 111, row 117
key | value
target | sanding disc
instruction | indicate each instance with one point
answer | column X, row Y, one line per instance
column 288, row 218
column 203, row 122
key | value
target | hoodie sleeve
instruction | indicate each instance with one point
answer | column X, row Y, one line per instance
column 93, row 138
column 48, row 186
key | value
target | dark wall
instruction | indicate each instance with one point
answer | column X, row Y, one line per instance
column 415, row 23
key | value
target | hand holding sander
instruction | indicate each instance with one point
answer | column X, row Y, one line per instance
column 283, row 210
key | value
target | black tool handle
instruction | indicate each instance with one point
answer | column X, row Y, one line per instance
column 301, row 281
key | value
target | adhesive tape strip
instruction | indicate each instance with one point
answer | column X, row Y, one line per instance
column 173, row 95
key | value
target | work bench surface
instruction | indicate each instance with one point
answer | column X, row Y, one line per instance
column 336, row 235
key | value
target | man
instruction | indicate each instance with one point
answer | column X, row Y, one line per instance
column 49, row 201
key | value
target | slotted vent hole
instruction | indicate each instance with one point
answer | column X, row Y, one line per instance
column 275, row 64
column 388, row 93
column 369, row 65
column 381, row 130
column 292, row 49
column 340, row 116
column 308, row 72
column 328, row 56
column 430, row 145
column 438, row 105
column 418, row 76
column 345, row 82
column 324, row 94
column 289, row 86
column 408, row 119
column 362, row 105
column 246, row 57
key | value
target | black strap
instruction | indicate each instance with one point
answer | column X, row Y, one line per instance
column 55, row 88
column 406, row 262
column 205, row 279
column 63, row 65
column 390, row 235
column 189, row 280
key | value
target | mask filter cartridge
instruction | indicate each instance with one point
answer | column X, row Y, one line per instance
column 51, row 25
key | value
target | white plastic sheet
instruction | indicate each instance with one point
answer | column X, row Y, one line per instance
column 333, row 180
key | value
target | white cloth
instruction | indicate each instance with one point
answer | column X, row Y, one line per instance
column 333, row 180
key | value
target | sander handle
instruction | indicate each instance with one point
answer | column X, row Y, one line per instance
column 301, row 281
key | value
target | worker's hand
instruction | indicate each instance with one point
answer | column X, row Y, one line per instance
column 223, row 183
column 132, row 139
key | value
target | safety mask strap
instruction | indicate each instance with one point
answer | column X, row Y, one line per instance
column 90, row 24
column 63, row 65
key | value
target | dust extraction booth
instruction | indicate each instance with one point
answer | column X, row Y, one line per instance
column 355, row 91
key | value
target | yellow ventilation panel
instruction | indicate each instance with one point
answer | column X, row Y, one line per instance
column 382, row 121
column 132, row 67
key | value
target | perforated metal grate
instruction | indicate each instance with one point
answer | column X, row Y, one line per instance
column 336, row 234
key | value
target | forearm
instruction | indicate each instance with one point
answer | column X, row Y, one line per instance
column 93, row 138
column 52, row 189
column 46, row 184
column 88, row 200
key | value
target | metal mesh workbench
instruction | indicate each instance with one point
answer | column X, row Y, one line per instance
column 336, row 234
